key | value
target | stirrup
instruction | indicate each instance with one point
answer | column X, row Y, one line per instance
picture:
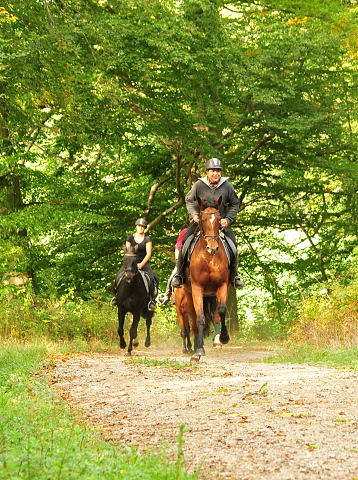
column 177, row 281
column 163, row 299
column 151, row 306
column 114, row 302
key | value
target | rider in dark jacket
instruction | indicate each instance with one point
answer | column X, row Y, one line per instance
column 211, row 188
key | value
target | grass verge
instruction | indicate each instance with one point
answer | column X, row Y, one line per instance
column 346, row 358
column 41, row 438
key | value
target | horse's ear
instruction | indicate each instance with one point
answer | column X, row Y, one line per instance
column 136, row 249
column 201, row 202
column 218, row 201
column 125, row 249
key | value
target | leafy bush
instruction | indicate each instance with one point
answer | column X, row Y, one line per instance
column 329, row 316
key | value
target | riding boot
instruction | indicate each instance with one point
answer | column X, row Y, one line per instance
column 164, row 298
column 151, row 304
column 114, row 299
column 235, row 280
column 178, row 277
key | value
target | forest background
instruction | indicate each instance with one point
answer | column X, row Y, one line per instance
column 109, row 111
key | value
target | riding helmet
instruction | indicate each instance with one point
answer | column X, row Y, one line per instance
column 141, row 221
column 213, row 163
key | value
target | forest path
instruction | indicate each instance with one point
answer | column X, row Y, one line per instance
column 246, row 420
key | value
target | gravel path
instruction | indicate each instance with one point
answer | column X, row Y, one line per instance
column 246, row 420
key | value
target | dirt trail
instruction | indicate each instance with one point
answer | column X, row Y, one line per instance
column 247, row 420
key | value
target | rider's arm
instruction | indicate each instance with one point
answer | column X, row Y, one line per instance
column 148, row 248
column 191, row 201
column 234, row 204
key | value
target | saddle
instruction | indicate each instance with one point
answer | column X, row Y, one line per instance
column 146, row 281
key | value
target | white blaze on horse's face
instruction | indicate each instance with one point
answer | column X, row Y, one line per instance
column 212, row 219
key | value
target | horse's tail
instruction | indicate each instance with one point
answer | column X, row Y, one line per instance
column 209, row 310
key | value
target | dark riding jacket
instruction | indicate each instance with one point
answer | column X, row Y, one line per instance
column 202, row 189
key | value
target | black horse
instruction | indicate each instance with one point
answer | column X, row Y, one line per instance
column 132, row 296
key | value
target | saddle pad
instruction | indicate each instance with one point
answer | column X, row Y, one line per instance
column 146, row 280
column 227, row 249
column 191, row 247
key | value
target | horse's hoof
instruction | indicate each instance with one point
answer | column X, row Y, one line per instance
column 216, row 342
column 122, row 344
column 194, row 359
column 190, row 350
column 127, row 354
column 185, row 350
column 224, row 339
column 147, row 343
column 135, row 343
column 199, row 352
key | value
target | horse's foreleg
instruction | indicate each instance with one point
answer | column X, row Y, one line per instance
column 222, row 296
column 197, row 294
column 186, row 334
column 217, row 328
column 121, row 316
column 149, row 324
column 133, row 332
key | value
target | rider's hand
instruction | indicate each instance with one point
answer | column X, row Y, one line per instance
column 224, row 223
column 139, row 265
column 196, row 218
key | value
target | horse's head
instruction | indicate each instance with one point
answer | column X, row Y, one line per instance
column 130, row 262
column 210, row 223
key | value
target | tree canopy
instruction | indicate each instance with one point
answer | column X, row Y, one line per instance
column 109, row 111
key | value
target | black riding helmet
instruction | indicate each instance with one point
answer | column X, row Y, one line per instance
column 141, row 221
column 213, row 163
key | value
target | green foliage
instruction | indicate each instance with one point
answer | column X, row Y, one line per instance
column 331, row 357
column 109, row 111
column 41, row 438
column 91, row 324
column 329, row 316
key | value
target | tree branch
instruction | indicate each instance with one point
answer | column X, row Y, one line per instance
column 256, row 147
column 175, row 207
column 152, row 193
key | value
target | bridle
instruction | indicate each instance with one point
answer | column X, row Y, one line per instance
column 208, row 237
column 130, row 269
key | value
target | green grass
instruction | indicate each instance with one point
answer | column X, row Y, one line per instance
column 167, row 363
column 327, row 357
column 41, row 438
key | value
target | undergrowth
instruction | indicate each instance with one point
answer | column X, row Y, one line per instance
column 71, row 319
column 313, row 355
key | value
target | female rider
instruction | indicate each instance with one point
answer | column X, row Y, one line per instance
column 144, row 253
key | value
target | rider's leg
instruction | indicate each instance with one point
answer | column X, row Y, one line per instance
column 116, row 282
column 152, row 287
column 235, row 280
column 168, row 290
column 177, row 280
column 178, row 277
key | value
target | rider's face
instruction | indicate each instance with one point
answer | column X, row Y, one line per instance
column 140, row 228
column 214, row 175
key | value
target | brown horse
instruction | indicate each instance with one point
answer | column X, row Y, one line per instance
column 185, row 308
column 207, row 277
